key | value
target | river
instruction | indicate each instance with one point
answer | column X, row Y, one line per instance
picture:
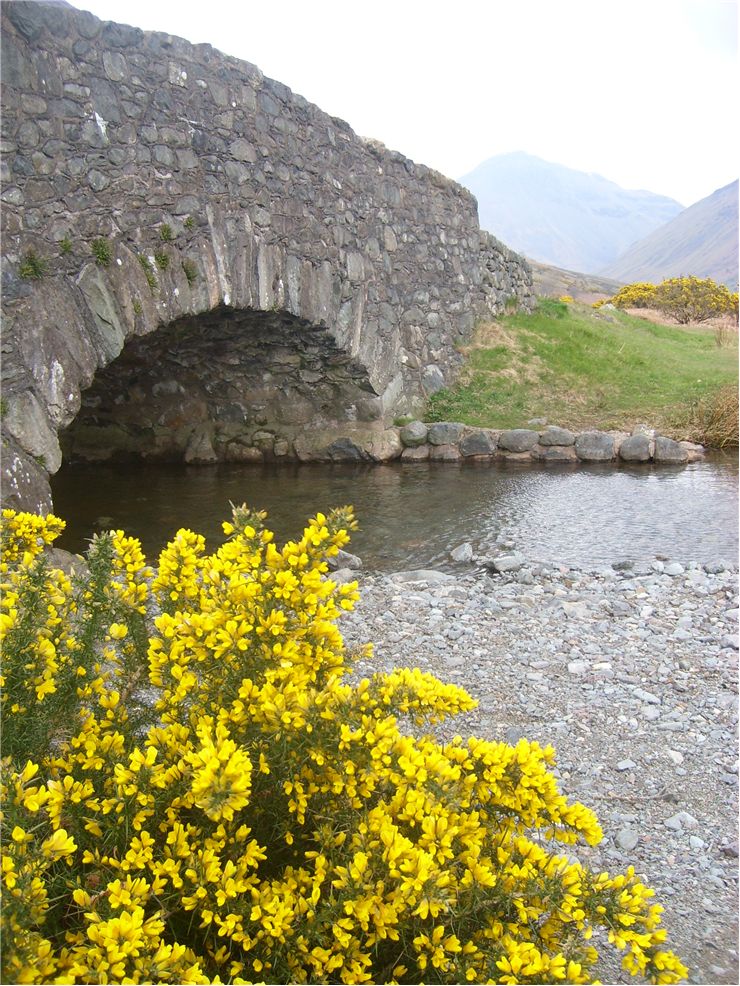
column 412, row 515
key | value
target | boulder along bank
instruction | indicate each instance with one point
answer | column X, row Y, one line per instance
column 630, row 672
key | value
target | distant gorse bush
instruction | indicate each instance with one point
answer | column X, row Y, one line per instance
column 195, row 791
column 685, row 299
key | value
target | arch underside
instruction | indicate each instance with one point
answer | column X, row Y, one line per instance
column 229, row 385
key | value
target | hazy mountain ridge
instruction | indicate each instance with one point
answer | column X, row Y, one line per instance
column 702, row 240
column 560, row 216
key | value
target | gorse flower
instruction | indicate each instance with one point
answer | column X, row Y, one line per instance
column 196, row 790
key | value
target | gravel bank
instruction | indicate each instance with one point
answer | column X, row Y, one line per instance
column 630, row 672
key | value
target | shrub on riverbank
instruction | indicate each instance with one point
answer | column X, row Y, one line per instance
column 195, row 791
column 713, row 421
column 582, row 369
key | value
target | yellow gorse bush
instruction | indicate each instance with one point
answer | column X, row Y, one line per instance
column 196, row 790
column 685, row 299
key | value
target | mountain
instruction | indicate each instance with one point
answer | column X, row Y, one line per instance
column 702, row 240
column 560, row 216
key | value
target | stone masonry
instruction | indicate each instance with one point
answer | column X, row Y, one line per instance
column 208, row 265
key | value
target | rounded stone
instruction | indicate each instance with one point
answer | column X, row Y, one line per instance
column 553, row 435
column 414, row 434
column 595, row 446
column 667, row 450
column 518, row 439
column 636, row 448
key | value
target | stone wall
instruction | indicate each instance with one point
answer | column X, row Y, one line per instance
column 152, row 186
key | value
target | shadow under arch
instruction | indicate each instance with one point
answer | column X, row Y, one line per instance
column 229, row 385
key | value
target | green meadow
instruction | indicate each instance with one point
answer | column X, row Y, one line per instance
column 581, row 367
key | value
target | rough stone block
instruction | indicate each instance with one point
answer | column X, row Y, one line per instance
column 553, row 453
column 418, row 454
column 382, row 446
column 445, row 433
column 444, row 453
column 477, row 443
column 432, row 379
column 595, row 446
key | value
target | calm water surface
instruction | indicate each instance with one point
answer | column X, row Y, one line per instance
column 411, row 516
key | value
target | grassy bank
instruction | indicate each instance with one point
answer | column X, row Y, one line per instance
column 583, row 368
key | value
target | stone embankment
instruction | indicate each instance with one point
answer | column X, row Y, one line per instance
column 630, row 672
column 447, row 441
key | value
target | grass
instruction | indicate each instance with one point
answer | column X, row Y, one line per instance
column 102, row 251
column 580, row 368
column 33, row 267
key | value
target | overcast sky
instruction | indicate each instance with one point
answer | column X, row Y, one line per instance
column 643, row 92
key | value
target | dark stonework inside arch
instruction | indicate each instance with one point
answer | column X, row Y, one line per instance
column 230, row 385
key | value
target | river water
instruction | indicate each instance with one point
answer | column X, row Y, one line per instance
column 412, row 515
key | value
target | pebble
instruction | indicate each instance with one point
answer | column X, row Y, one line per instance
column 627, row 839
column 626, row 765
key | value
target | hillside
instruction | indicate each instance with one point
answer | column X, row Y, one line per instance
column 561, row 216
column 702, row 240
column 554, row 282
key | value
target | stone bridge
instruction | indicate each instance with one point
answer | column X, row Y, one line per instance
column 201, row 265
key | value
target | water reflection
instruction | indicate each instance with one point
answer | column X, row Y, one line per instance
column 413, row 515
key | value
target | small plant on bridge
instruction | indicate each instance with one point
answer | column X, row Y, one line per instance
column 102, row 251
column 147, row 267
column 33, row 267
column 162, row 259
column 190, row 270
column 165, row 233
column 65, row 246
column 195, row 786
column 189, row 223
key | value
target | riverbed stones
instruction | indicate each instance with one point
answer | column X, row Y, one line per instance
column 595, row 446
column 508, row 644
column 505, row 563
column 414, row 434
column 636, row 448
column 463, row 552
column 518, row 439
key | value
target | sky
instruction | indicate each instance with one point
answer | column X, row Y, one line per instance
column 643, row 92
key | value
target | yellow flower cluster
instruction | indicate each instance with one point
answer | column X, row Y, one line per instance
column 196, row 789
